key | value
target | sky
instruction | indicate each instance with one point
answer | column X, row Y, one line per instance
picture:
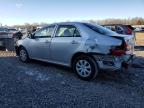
column 49, row 11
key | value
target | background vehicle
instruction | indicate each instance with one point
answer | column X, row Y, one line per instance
column 7, row 32
column 24, row 31
column 142, row 29
column 2, row 46
column 121, row 29
column 3, row 32
column 84, row 47
column 6, row 38
column 12, row 30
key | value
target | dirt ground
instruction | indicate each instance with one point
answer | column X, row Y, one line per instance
column 43, row 85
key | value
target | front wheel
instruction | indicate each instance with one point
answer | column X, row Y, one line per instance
column 85, row 67
column 23, row 55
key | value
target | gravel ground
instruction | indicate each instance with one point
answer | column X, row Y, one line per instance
column 43, row 85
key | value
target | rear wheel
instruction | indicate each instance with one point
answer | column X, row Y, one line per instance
column 23, row 55
column 85, row 67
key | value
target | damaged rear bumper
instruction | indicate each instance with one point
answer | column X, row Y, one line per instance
column 112, row 63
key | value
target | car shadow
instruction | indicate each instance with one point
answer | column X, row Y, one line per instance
column 46, row 64
column 114, row 77
column 123, row 77
column 132, row 77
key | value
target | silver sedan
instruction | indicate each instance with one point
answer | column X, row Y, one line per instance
column 84, row 47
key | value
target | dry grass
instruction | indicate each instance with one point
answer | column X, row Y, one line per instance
column 139, row 53
column 7, row 54
column 139, row 38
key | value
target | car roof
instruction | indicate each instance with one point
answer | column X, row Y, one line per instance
column 116, row 25
column 64, row 23
column 112, row 25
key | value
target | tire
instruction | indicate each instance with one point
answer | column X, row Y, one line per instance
column 85, row 67
column 23, row 55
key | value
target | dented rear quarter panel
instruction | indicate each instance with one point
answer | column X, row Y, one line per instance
column 96, row 42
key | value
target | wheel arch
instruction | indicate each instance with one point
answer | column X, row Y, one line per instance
column 80, row 54
column 18, row 49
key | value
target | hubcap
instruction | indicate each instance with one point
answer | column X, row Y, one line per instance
column 83, row 68
column 23, row 55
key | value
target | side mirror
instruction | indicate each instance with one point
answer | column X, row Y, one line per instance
column 32, row 35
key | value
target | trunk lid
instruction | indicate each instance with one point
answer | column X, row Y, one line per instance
column 128, row 43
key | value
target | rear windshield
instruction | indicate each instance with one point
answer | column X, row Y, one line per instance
column 99, row 29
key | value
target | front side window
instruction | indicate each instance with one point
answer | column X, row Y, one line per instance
column 67, row 31
column 45, row 32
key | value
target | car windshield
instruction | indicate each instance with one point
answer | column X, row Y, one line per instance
column 99, row 29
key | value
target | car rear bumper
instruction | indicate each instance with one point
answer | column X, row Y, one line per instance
column 112, row 63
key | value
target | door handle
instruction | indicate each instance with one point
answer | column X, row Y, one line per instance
column 74, row 42
column 47, row 41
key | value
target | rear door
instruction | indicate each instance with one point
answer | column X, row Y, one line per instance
column 40, row 44
column 66, row 41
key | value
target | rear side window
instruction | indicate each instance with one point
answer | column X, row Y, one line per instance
column 67, row 31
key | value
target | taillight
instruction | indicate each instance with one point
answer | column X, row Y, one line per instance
column 124, row 49
column 129, row 31
column 127, row 47
column 116, row 52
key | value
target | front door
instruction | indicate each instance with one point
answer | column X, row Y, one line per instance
column 40, row 44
